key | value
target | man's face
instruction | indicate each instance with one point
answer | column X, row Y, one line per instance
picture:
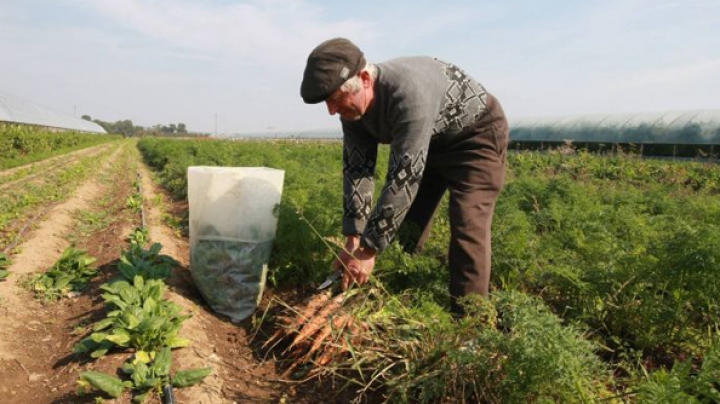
column 350, row 106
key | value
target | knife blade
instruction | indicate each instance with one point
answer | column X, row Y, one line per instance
column 330, row 280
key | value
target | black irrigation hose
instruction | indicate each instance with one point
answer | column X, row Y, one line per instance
column 168, row 395
column 142, row 205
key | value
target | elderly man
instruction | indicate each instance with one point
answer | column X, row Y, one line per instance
column 446, row 133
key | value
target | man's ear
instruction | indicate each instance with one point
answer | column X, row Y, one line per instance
column 366, row 79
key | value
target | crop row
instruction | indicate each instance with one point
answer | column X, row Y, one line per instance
column 703, row 177
column 32, row 171
column 138, row 319
column 604, row 283
column 20, row 204
column 21, row 144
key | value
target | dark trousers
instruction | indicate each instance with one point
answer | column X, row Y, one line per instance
column 473, row 170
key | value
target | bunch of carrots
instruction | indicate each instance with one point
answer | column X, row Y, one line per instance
column 316, row 333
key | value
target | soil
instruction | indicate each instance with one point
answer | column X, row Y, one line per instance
column 37, row 363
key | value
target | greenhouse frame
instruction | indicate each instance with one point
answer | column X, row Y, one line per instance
column 16, row 110
column 681, row 133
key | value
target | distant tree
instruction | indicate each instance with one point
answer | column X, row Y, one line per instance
column 128, row 129
column 105, row 125
column 125, row 128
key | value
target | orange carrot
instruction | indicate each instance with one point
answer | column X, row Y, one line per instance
column 318, row 320
column 282, row 330
column 337, row 323
column 290, row 326
column 326, row 356
column 284, row 320
column 313, row 306
column 279, row 334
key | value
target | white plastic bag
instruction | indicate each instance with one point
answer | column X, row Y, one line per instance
column 233, row 219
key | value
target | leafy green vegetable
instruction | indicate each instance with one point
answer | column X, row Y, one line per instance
column 134, row 202
column 4, row 263
column 139, row 236
column 111, row 385
column 186, row 378
column 71, row 272
column 149, row 264
column 148, row 372
column 140, row 318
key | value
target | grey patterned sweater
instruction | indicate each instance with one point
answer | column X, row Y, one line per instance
column 419, row 102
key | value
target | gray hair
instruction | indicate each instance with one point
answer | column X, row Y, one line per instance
column 354, row 84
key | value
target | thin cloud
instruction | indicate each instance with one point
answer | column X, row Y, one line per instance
column 268, row 30
column 707, row 71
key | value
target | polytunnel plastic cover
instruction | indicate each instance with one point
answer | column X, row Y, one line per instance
column 14, row 109
column 678, row 127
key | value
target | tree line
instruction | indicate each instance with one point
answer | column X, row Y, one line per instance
column 128, row 129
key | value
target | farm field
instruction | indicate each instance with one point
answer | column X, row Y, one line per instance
column 605, row 283
column 39, row 335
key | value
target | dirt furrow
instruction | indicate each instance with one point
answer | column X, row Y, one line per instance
column 238, row 376
column 201, row 353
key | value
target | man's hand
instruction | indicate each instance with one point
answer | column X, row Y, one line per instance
column 357, row 262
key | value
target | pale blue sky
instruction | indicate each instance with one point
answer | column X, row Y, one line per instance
column 163, row 61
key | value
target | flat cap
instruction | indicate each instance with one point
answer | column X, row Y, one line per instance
column 329, row 65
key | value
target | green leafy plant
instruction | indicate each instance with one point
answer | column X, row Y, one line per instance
column 508, row 349
column 134, row 203
column 149, row 264
column 148, row 373
column 4, row 263
column 140, row 319
column 111, row 385
column 140, row 236
column 179, row 225
column 686, row 382
column 71, row 273
column 21, row 144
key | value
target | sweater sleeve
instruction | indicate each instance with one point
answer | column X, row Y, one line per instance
column 412, row 129
column 359, row 162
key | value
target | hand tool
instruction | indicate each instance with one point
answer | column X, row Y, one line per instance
column 330, row 280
